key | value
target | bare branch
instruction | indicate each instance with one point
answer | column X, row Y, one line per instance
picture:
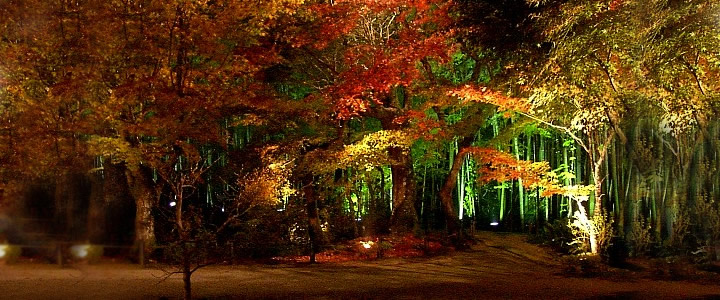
column 562, row 128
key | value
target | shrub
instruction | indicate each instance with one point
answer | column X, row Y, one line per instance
column 616, row 252
column 558, row 235
column 640, row 237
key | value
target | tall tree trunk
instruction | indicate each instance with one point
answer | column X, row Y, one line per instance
column 598, row 155
column 521, row 189
column 187, row 272
column 314, row 229
column 404, row 217
column 96, row 211
column 617, row 209
column 446, row 192
column 541, row 157
column 65, row 205
column 566, row 181
column 59, row 197
column 142, row 191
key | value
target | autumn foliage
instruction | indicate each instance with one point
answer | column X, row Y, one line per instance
column 495, row 165
column 379, row 44
column 485, row 95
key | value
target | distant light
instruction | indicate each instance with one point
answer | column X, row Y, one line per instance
column 172, row 204
column 358, row 219
column 494, row 224
column 280, row 209
column 80, row 251
column 3, row 250
column 222, row 209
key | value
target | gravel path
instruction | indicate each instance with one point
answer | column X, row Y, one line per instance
column 499, row 267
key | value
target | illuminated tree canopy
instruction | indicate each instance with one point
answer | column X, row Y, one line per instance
column 340, row 119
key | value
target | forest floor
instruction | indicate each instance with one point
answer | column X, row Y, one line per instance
column 497, row 266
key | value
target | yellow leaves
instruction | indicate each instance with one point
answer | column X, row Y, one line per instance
column 271, row 182
column 262, row 187
column 578, row 192
column 683, row 113
column 370, row 152
column 249, row 120
column 587, row 120
column 116, row 149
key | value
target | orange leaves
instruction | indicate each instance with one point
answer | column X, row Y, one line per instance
column 381, row 5
column 485, row 95
column 501, row 166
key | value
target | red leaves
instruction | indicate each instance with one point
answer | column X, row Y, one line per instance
column 423, row 127
column 615, row 4
column 347, row 108
column 382, row 43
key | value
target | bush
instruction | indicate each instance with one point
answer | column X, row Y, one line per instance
column 558, row 235
column 616, row 252
column 640, row 237
column 266, row 233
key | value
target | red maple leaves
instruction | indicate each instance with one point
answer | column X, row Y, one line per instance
column 381, row 43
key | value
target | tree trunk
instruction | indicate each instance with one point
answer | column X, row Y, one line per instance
column 617, row 209
column 314, row 230
column 598, row 155
column 187, row 273
column 404, row 217
column 541, row 157
column 521, row 189
column 446, row 192
column 96, row 211
column 64, row 205
column 142, row 191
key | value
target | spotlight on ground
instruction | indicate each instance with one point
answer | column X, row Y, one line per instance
column 80, row 251
column 3, row 250
column 494, row 224
column 367, row 245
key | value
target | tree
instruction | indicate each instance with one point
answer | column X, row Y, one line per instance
column 198, row 242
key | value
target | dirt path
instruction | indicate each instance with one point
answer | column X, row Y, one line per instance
column 499, row 266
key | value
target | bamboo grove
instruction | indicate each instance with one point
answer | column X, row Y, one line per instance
column 292, row 124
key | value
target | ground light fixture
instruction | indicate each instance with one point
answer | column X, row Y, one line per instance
column 80, row 251
column 367, row 245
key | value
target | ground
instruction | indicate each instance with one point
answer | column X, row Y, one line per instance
column 498, row 266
